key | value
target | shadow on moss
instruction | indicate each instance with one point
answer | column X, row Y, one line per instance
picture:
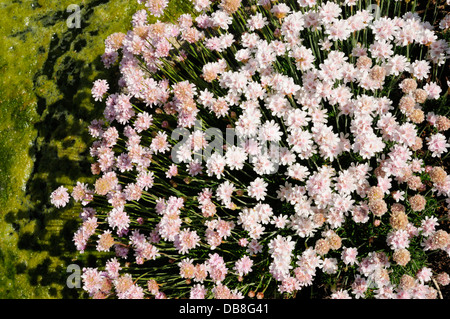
column 61, row 156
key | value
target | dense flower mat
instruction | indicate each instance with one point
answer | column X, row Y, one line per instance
column 258, row 148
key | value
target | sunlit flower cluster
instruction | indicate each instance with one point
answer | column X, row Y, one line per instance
column 336, row 161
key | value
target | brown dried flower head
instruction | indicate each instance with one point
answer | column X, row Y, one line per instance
column 416, row 116
column 398, row 220
column 414, row 182
column 438, row 175
column 417, row 202
column 406, row 104
column 401, row 256
column 375, row 193
column 408, row 85
column 442, row 123
column 440, row 239
column 364, row 62
column 377, row 73
column 378, row 207
column 420, row 95
column 418, row 144
column 335, row 241
column 230, row 6
column 407, row 282
column 322, row 246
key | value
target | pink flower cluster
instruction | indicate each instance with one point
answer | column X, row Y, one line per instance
column 330, row 140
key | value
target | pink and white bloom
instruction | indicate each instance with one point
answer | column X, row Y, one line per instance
column 60, row 197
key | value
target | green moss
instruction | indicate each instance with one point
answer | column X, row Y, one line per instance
column 46, row 73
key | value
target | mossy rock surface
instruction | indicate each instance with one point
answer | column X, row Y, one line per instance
column 46, row 74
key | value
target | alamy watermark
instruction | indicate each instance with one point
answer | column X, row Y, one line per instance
column 74, row 20
column 74, row 279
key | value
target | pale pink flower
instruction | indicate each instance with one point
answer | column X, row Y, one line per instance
column 224, row 228
column 143, row 122
column 60, row 197
column 224, row 192
column 258, row 189
column 92, row 280
column 215, row 165
column 198, row 291
column 359, row 287
column 187, row 268
column 221, row 19
column 397, row 65
column 201, row 5
column 381, row 49
column 156, row 7
column 112, row 268
column 398, row 239
column 420, row 69
column 289, row 285
column 330, row 266
column 243, row 266
column 118, row 219
column 398, row 195
column 159, row 143
column 99, row 89
column 132, row 192
column 428, row 225
column 338, row 30
column 349, row 255
column 235, row 157
column 217, row 267
column 254, row 247
column 329, row 11
column 270, row 131
column 433, row 90
column 256, row 22
column 186, row 240
column 437, row 144
column 81, row 193
column 280, row 221
column 340, row 294
column 195, row 168
column 424, row 274
column 172, row 171
column 145, row 180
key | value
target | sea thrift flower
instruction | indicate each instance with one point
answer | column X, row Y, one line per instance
column 349, row 256
column 258, row 189
column 99, row 89
column 186, row 240
column 92, row 280
column 105, row 241
column 198, row 291
column 437, row 144
column 440, row 240
column 442, row 123
column 438, row 175
column 243, row 266
column 424, row 274
column 417, row 202
column 60, row 197
column 156, row 7
column 401, row 256
column 217, row 268
column 443, row 278
column 398, row 239
column 340, row 294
